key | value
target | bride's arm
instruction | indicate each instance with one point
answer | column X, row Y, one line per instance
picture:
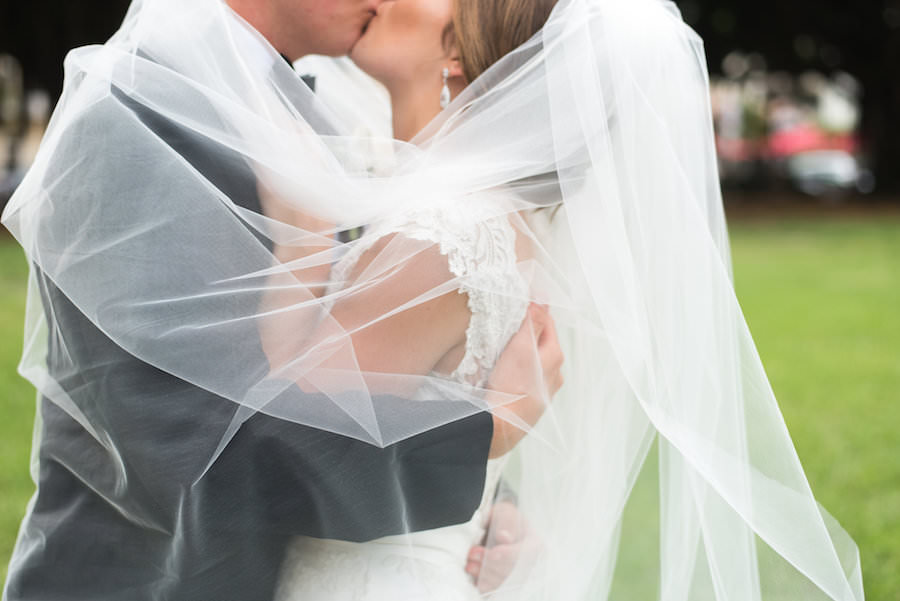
column 412, row 318
column 406, row 312
column 404, row 319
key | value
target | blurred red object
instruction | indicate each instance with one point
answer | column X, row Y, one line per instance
column 806, row 138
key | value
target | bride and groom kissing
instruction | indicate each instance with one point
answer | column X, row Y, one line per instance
column 295, row 344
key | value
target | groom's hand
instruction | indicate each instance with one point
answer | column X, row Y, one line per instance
column 508, row 544
column 528, row 368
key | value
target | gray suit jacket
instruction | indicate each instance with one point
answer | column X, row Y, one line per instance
column 274, row 480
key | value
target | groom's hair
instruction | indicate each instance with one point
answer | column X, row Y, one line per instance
column 484, row 31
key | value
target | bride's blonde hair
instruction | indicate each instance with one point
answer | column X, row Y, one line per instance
column 486, row 30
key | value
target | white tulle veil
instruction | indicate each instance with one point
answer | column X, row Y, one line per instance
column 662, row 469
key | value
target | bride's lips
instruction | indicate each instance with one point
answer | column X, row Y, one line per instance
column 373, row 14
column 381, row 9
column 363, row 29
column 369, row 20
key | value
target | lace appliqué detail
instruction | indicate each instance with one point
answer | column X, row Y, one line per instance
column 480, row 247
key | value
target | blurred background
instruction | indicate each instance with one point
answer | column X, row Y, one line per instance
column 805, row 96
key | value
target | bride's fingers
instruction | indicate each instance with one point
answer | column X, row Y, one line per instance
column 497, row 566
column 501, row 561
column 505, row 524
column 473, row 569
column 476, row 554
column 474, row 561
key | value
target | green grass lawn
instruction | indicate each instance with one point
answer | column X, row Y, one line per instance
column 822, row 298
column 823, row 302
column 17, row 398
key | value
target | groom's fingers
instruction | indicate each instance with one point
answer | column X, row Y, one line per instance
column 539, row 316
column 551, row 356
column 520, row 348
column 521, row 371
column 532, row 326
column 548, row 343
column 545, row 333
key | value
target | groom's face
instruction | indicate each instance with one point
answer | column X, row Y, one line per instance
column 330, row 27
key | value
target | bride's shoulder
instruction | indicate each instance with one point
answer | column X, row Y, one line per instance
column 472, row 234
column 476, row 228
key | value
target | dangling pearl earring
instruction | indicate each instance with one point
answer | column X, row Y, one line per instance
column 445, row 91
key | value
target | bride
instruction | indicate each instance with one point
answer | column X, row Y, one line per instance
column 425, row 53
column 574, row 167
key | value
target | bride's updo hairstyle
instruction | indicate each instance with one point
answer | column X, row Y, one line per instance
column 486, row 30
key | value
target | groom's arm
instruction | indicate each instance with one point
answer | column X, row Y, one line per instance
column 307, row 481
column 318, row 483
column 274, row 477
column 273, row 474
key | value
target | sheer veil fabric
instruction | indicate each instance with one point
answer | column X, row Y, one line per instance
column 663, row 468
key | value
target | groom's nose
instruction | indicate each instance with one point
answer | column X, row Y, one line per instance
column 379, row 3
column 373, row 5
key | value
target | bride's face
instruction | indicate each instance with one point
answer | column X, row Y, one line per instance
column 404, row 41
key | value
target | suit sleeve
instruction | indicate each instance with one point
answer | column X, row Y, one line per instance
column 158, row 432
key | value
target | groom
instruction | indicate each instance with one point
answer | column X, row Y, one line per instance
column 170, row 530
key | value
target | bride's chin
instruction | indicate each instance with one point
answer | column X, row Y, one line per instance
column 358, row 49
column 365, row 42
column 363, row 58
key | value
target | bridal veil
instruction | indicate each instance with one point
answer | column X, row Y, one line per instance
column 662, row 469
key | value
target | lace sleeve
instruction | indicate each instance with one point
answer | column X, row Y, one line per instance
column 481, row 253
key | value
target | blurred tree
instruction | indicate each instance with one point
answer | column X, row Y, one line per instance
column 40, row 33
column 861, row 38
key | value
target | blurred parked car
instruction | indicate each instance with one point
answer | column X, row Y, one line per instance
column 828, row 173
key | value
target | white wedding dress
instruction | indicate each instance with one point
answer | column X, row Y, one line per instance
column 429, row 565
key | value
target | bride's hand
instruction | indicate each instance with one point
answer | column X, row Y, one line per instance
column 509, row 543
column 529, row 367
